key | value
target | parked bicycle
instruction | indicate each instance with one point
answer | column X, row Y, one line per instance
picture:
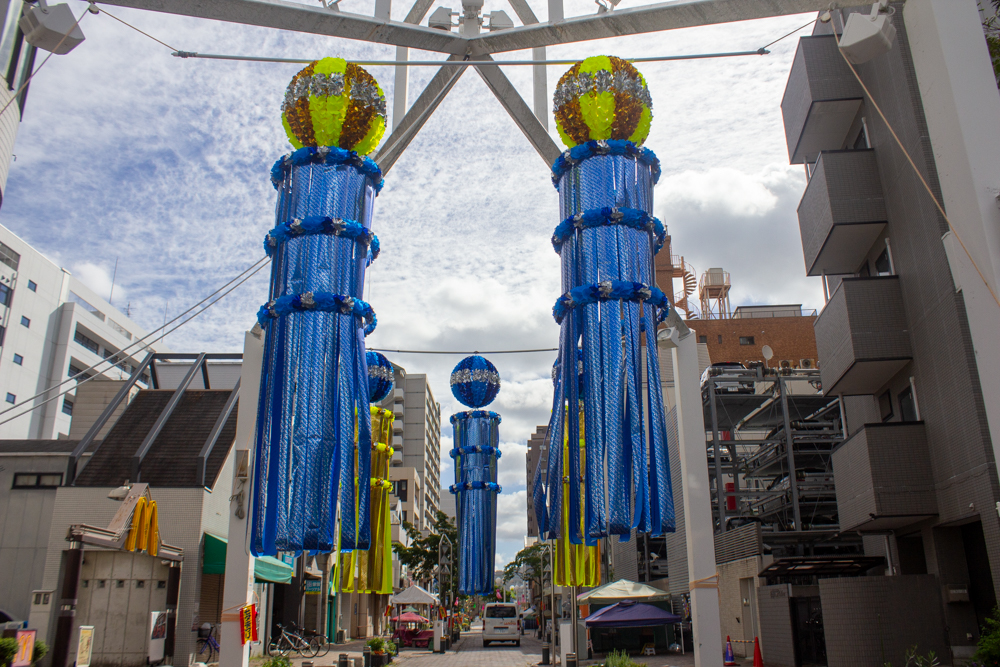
column 207, row 645
column 322, row 642
column 290, row 642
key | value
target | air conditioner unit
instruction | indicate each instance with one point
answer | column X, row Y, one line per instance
column 807, row 363
column 785, row 363
column 867, row 36
column 51, row 27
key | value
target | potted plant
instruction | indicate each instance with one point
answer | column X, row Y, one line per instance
column 377, row 647
column 390, row 649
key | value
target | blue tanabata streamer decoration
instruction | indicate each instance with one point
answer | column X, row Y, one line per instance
column 380, row 376
column 606, row 244
column 315, row 376
column 475, row 382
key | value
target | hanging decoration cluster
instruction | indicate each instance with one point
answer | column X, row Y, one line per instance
column 602, row 97
column 332, row 102
column 619, row 481
column 361, row 570
column 315, row 378
column 475, row 383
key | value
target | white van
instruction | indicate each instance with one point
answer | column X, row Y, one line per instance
column 500, row 623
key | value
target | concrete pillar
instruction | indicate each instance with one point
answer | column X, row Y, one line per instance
column 962, row 106
column 702, row 572
column 239, row 564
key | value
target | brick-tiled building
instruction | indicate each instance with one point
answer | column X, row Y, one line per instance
column 787, row 330
column 901, row 339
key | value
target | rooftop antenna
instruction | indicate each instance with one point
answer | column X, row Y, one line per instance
column 114, row 274
column 768, row 354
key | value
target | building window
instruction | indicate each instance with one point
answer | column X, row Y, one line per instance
column 5, row 293
column 885, row 406
column 25, row 322
column 19, row 360
column 67, row 407
column 32, row 285
column 3, row 332
column 720, row 339
column 87, row 342
column 11, row 398
column 703, row 339
column 882, row 265
column 35, row 480
column 399, row 489
column 907, row 406
column 746, row 340
column 9, row 257
column 74, row 370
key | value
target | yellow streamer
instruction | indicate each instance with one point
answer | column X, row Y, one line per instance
column 576, row 564
column 371, row 571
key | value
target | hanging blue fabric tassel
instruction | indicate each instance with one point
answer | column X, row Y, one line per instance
column 314, row 380
column 606, row 245
column 475, row 382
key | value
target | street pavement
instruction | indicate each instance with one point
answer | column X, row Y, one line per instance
column 469, row 652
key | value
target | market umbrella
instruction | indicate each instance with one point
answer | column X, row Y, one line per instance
column 409, row 617
column 630, row 614
column 623, row 589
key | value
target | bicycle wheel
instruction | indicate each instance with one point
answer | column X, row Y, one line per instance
column 282, row 647
column 205, row 651
column 324, row 645
column 316, row 646
column 308, row 648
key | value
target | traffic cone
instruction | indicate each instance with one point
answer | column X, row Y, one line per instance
column 758, row 660
column 728, row 658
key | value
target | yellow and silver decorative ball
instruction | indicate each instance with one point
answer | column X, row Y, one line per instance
column 602, row 97
column 332, row 102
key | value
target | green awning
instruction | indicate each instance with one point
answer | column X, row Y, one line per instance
column 214, row 559
column 265, row 569
column 272, row 570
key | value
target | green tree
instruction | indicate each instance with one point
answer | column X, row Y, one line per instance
column 988, row 650
column 421, row 557
column 528, row 565
column 991, row 27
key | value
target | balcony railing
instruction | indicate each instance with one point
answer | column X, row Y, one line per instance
column 842, row 212
column 884, row 478
column 821, row 100
column 862, row 336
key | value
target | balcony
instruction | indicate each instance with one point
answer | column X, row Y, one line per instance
column 884, row 479
column 842, row 212
column 862, row 336
column 821, row 100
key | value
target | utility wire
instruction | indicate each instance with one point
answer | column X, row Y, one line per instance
column 66, row 391
column 541, row 349
column 31, row 76
column 790, row 34
column 909, row 159
column 254, row 268
column 104, row 11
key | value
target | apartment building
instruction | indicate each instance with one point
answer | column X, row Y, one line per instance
column 901, row 339
column 52, row 328
column 417, row 444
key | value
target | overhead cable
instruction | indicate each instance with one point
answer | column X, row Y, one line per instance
column 245, row 275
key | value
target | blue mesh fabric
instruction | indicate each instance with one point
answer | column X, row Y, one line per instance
column 314, row 378
column 627, row 477
column 476, row 508
column 475, row 381
column 380, row 376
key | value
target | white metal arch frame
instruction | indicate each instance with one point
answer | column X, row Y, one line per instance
column 469, row 44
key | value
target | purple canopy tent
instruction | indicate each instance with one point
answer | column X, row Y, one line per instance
column 630, row 614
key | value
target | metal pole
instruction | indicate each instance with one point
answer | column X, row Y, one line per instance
column 67, row 605
column 574, row 613
column 552, row 591
column 173, row 593
column 790, row 454
column 717, row 449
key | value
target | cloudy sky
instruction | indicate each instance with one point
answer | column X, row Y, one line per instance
column 128, row 154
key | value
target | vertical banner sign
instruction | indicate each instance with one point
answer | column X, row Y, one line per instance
column 248, row 623
column 157, row 635
column 25, row 648
column 85, row 646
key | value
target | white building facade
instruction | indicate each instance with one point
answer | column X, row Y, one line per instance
column 53, row 327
